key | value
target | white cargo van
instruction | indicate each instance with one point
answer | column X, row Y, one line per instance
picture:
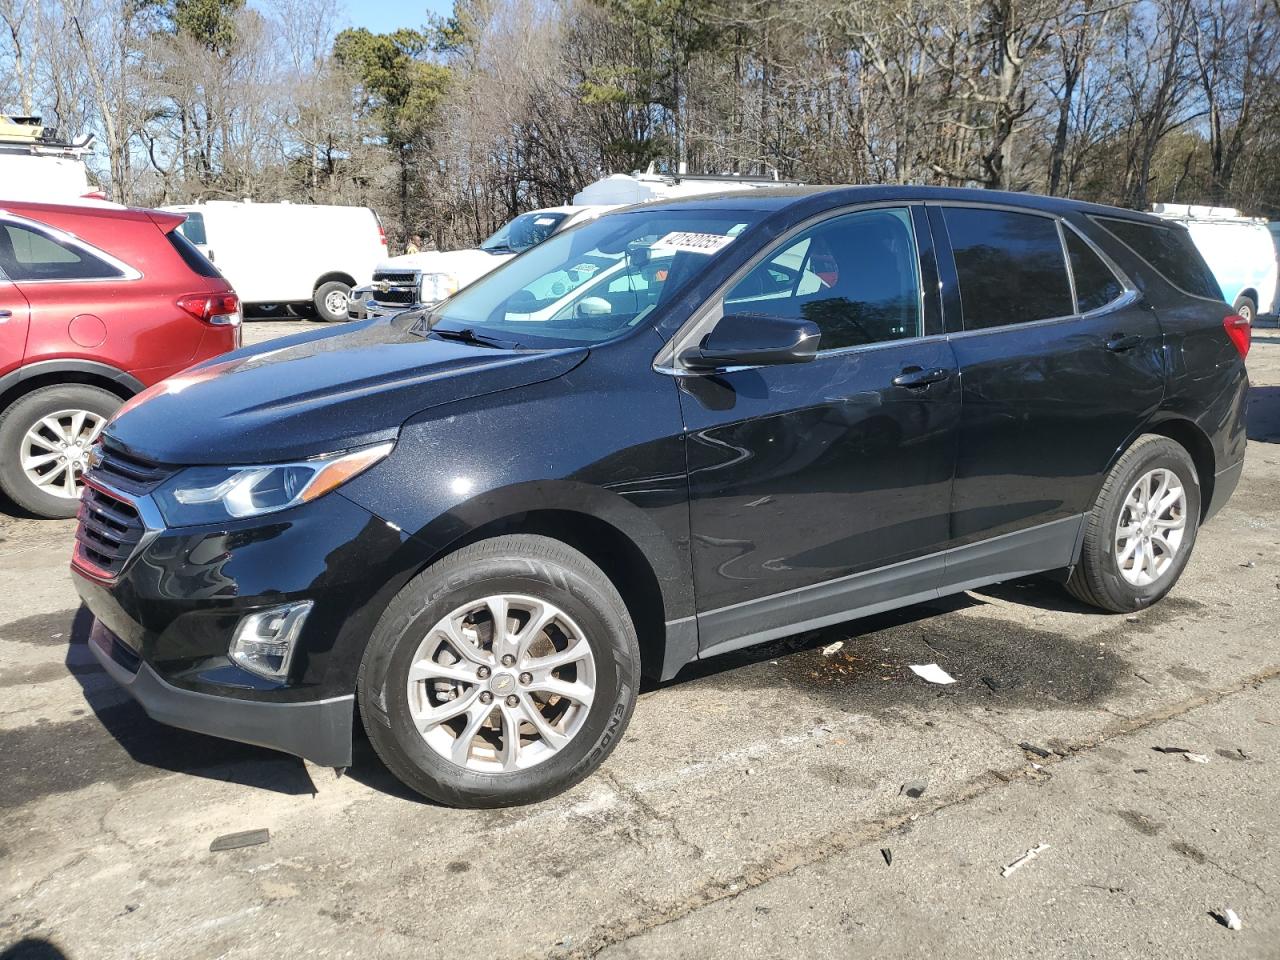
column 39, row 168
column 306, row 256
column 1239, row 251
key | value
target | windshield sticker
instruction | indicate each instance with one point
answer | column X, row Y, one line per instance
column 545, row 221
column 707, row 243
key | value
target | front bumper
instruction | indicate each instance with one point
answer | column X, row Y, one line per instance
column 165, row 623
column 363, row 304
column 319, row 731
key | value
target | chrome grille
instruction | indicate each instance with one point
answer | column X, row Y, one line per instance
column 396, row 287
column 110, row 530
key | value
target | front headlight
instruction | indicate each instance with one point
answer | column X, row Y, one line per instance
column 434, row 287
column 200, row 495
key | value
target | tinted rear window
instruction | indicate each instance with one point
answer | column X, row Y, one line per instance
column 196, row 260
column 1170, row 251
column 1010, row 266
column 1096, row 285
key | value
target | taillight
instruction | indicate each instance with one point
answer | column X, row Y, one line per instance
column 382, row 235
column 220, row 309
column 1238, row 330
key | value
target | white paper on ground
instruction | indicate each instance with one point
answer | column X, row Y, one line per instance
column 933, row 673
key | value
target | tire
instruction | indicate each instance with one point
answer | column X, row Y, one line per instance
column 1246, row 308
column 61, row 403
column 330, row 301
column 529, row 570
column 1102, row 577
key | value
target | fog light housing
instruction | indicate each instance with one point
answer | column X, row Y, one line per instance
column 264, row 641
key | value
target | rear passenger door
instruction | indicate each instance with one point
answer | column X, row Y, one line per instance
column 1059, row 365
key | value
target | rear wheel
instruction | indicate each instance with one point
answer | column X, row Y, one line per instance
column 44, row 445
column 1140, row 533
column 331, row 301
column 1246, row 309
column 503, row 674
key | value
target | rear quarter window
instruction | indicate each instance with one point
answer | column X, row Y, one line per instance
column 1169, row 251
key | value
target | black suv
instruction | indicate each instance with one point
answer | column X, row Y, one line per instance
column 668, row 433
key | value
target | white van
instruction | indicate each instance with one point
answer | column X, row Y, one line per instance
column 306, row 256
column 38, row 168
column 1239, row 251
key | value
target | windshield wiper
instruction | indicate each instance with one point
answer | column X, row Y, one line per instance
column 500, row 248
column 467, row 335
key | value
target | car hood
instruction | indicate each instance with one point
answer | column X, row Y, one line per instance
column 317, row 393
column 466, row 265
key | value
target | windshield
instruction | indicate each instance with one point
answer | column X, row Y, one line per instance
column 595, row 281
column 525, row 231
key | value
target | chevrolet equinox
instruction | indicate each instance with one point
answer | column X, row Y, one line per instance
column 668, row 433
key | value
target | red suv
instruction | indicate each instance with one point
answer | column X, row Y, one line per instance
column 96, row 303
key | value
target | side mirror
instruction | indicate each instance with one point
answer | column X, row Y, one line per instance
column 739, row 340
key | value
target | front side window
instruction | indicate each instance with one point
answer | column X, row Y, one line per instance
column 596, row 281
column 1010, row 267
column 1170, row 250
column 1096, row 285
column 856, row 276
column 27, row 254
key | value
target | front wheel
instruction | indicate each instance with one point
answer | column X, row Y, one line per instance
column 44, row 445
column 503, row 674
column 1139, row 535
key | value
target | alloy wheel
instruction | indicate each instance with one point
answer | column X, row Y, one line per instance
column 502, row 683
column 1151, row 527
column 336, row 302
column 55, row 451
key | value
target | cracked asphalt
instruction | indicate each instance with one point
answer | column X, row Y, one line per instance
column 747, row 812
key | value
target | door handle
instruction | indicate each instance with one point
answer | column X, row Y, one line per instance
column 5, row 314
column 1119, row 343
column 919, row 377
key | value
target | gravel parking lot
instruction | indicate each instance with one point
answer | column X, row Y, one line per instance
column 755, row 809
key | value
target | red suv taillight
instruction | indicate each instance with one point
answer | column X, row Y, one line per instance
column 1239, row 331
column 220, row 309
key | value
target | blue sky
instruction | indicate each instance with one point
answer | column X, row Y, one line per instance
column 383, row 15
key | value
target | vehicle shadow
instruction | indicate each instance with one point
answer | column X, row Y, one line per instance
column 32, row 948
column 154, row 747
column 1262, row 421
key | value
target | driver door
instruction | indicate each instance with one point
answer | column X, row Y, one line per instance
column 819, row 490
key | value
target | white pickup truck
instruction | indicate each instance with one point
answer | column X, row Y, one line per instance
column 416, row 279
column 422, row 279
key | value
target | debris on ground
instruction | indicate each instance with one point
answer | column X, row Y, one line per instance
column 1195, row 758
column 914, row 788
column 1228, row 918
column 888, row 856
column 1040, row 752
column 1170, row 749
column 831, row 649
column 234, row 841
column 932, row 672
column 1248, row 564
column 1027, row 857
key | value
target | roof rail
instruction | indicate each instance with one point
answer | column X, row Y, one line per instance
column 28, row 135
